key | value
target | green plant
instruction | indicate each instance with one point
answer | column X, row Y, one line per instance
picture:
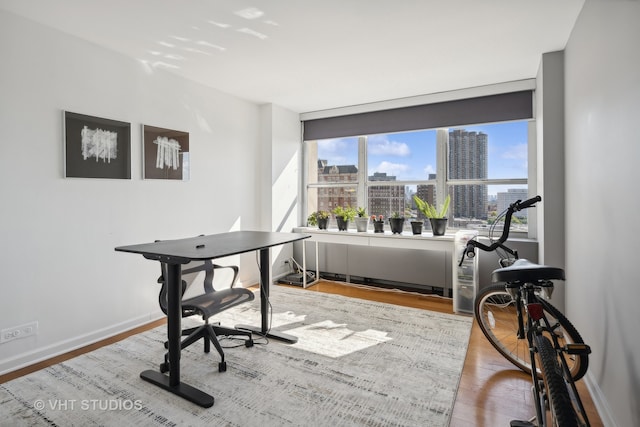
column 430, row 211
column 396, row 215
column 314, row 217
column 362, row 212
column 348, row 213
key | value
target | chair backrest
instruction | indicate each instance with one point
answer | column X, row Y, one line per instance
column 192, row 273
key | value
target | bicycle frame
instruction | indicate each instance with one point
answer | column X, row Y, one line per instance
column 554, row 385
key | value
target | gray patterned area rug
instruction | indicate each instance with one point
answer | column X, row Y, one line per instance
column 356, row 363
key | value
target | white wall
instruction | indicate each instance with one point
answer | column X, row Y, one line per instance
column 602, row 95
column 281, row 157
column 550, row 214
column 58, row 235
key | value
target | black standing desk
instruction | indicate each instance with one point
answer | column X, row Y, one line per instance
column 177, row 252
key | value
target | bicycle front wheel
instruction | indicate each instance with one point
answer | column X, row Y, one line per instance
column 497, row 315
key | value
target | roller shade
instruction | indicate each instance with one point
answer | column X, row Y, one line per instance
column 484, row 109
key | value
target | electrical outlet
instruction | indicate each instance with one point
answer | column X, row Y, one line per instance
column 22, row 331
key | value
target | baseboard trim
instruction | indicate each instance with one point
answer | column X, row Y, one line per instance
column 599, row 400
column 44, row 353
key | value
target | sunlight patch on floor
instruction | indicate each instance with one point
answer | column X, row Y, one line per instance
column 335, row 339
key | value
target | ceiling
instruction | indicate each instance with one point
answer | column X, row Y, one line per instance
column 308, row 55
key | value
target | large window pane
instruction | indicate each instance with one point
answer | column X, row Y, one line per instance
column 406, row 156
column 332, row 169
column 484, row 152
column 493, row 151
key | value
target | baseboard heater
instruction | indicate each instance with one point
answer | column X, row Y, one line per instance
column 296, row 279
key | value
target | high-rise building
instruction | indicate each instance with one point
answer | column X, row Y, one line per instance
column 468, row 153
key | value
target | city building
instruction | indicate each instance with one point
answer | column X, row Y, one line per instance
column 505, row 198
column 426, row 193
column 385, row 199
column 329, row 198
column 468, row 160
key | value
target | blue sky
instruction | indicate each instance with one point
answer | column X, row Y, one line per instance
column 412, row 155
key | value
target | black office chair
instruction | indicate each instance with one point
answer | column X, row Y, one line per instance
column 206, row 304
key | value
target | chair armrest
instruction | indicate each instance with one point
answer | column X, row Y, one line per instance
column 235, row 269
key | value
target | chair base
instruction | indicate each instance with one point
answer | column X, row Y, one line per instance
column 276, row 335
column 210, row 333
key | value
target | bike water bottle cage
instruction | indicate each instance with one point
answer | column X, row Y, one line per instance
column 524, row 271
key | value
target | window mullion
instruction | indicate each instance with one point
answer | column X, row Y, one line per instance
column 442, row 158
column 362, row 172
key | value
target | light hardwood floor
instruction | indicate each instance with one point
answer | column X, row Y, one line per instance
column 491, row 393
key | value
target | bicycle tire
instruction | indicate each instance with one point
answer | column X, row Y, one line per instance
column 562, row 411
column 496, row 314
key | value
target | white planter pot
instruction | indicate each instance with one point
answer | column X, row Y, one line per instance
column 362, row 224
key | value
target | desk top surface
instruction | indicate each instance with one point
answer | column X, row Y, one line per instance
column 211, row 246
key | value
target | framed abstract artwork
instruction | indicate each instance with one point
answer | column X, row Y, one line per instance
column 165, row 153
column 95, row 147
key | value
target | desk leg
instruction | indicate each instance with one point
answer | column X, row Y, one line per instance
column 265, row 283
column 174, row 333
column 174, row 320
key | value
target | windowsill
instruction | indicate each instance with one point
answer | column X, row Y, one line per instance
column 449, row 236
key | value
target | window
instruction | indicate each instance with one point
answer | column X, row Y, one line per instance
column 482, row 167
column 473, row 149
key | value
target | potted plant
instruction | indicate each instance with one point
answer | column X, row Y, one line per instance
column 343, row 216
column 416, row 226
column 319, row 218
column 396, row 222
column 378, row 223
column 437, row 218
column 362, row 220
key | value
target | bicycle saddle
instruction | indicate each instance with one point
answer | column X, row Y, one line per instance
column 524, row 271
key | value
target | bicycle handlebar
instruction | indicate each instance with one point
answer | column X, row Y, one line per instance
column 518, row 205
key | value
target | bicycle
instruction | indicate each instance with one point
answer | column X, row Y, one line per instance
column 529, row 331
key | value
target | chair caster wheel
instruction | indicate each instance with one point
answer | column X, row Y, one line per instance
column 164, row 367
column 248, row 343
column 222, row 367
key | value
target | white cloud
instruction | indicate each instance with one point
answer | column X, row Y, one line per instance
column 429, row 169
column 336, row 151
column 334, row 145
column 380, row 145
column 392, row 169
